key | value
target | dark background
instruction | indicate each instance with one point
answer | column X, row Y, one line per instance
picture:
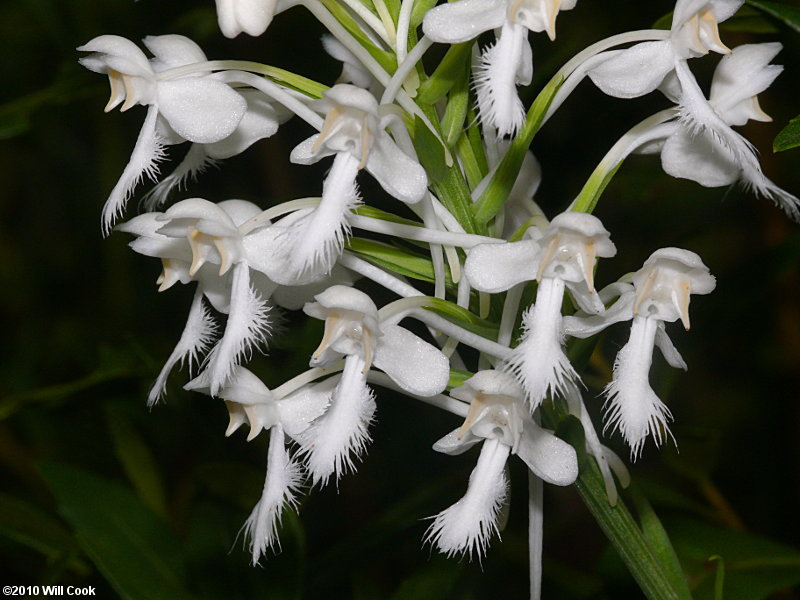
column 98, row 490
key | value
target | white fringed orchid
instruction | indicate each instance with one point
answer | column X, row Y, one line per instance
column 249, row 16
column 509, row 61
column 660, row 294
column 215, row 245
column 352, row 331
column 564, row 255
column 354, row 133
column 706, row 149
column 499, row 420
column 642, row 68
column 250, row 402
column 195, row 107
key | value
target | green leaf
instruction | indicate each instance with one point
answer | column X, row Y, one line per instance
column 496, row 193
column 137, row 461
column 395, row 259
column 418, row 12
column 749, row 20
column 658, row 539
column 387, row 60
column 457, row 378
column 131, row 546
column 376, row 213
column 446, row 74
column 430, row 151
column 664, row 22
column 789, row 137
column 594, row 187
column 456, row 111
column 32, row 527
column 755, row 567
column 302, row 84
column 461, row 316
column 786, row 13
column 719, row 578
column 432, row 582
column 656, row 582
column 237, row 483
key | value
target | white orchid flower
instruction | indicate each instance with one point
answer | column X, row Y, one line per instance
column 564, row 255
column 354, row 133
column 642, row 68
column 249, row 16
column 353, row 331
column 214, row 245
column 509, row 61
column 196, row 107
column 249, row 401
column 660, row 294
column 498, row 419
column 716, row 155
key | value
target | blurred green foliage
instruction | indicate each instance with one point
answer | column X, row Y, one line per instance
column 98, row 490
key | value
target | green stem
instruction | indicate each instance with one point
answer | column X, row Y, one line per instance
column 626, row 537
column 496, row 193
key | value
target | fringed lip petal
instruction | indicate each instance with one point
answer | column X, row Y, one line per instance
column 412, row 363
column 283, row 481
column 466, row 526
column 550, row 458
column 498, row 267
column 632, row 406
column 463, row 20
column 335, row 441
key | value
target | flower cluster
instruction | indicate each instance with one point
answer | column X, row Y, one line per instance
column 486, row 241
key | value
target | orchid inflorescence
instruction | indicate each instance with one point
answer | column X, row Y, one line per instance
column 437, row 142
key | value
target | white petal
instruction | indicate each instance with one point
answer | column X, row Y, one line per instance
column 539, row 361
column 549, row 457
column 282, row 482
column 668, row 349
column 463, row 20
column 636, row 71
column 501, row 67
column 454, row 443
column 300, row 408
column 316, row 240
column 259, row 122
column 293, row 297
column 195, row 162
column 467, row 525
column 632, row 406
column 129, row 58
column 197, row 336
column 146, row 154
column 741, row 75
column 247, row 328
column 400, row 175
column 413, row 364
column 699, row 158
column 173, row 51
column 338, row 439
column 497, row 267
column 200, row 109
